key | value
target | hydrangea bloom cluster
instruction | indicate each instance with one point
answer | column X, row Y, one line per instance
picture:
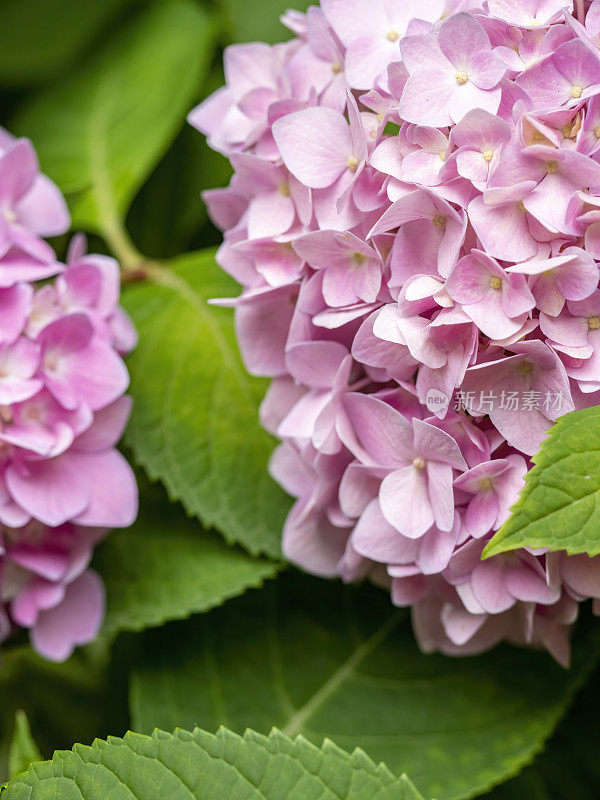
column 415, row 220
column 62, row 410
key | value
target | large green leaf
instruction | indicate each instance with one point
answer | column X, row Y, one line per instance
column 168, row 216
column 559, row 508
column 202, row 766
column 167, row 567
column 317, row 658
column 100, row 132
column 529, row 785
column 258, row 20
column 568, row 767
column 195, row 419
column 23, row 749
column 38, row 39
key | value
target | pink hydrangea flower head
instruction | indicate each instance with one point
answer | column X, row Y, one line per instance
column 63, row 484
column 415, row 221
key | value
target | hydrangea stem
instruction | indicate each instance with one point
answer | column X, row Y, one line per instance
column 124, row 250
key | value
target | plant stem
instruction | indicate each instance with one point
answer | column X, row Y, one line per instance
column 121, row 246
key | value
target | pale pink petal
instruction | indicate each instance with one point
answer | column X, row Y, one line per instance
column 73, row 622
column 427, row 97
column 112, row 488
column 405, row 502
column 383, row 435
column 459, row 625
column 502, row 230
column 460, row 35
column 52, row 491
column 316, row 160
column 441, row 495
column 488, row 582
column 435, row 444
column 375, row 538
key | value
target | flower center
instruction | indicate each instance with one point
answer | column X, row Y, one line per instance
column 443, row 155
column 336, row 68
column 597, row 131
column 352, row 163
column 393, row 35
column 33, row 413
column 495, row 282
column 576, row 91
column 359, row 259
column 488, row 155
column 419, row 462
column 593, row 323
column 485, row 484
column 521, row 205
column 284, row 189
column 552, row 167
column 525, row 367
column 439, row 220
column 51, row 361
column 461, row 77
column 10, row 215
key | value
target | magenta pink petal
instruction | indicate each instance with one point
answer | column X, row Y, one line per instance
column 73, row 622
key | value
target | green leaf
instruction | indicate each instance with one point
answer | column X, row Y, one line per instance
column 100, row 132
column 258, row 20
column 23, row 749
column 168, row 215
column 203, row 766
column 167, row 567
column 559, row 508
column 195, row 419
column 316, row 658
column 527, row 786
column 74, row 701
column 568, row 767
column 39, row 39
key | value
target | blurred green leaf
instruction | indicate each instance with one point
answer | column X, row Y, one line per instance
column 195, row 417
column 559, row 506
column 23, row 749
column 568, row 767
column 323, row 660
column 100, row 132
column 258, row 20
column 529, row 785
column 39, row 39
column 167, row 567
column 168, row 216
column 74, row 701
column 200, row 766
